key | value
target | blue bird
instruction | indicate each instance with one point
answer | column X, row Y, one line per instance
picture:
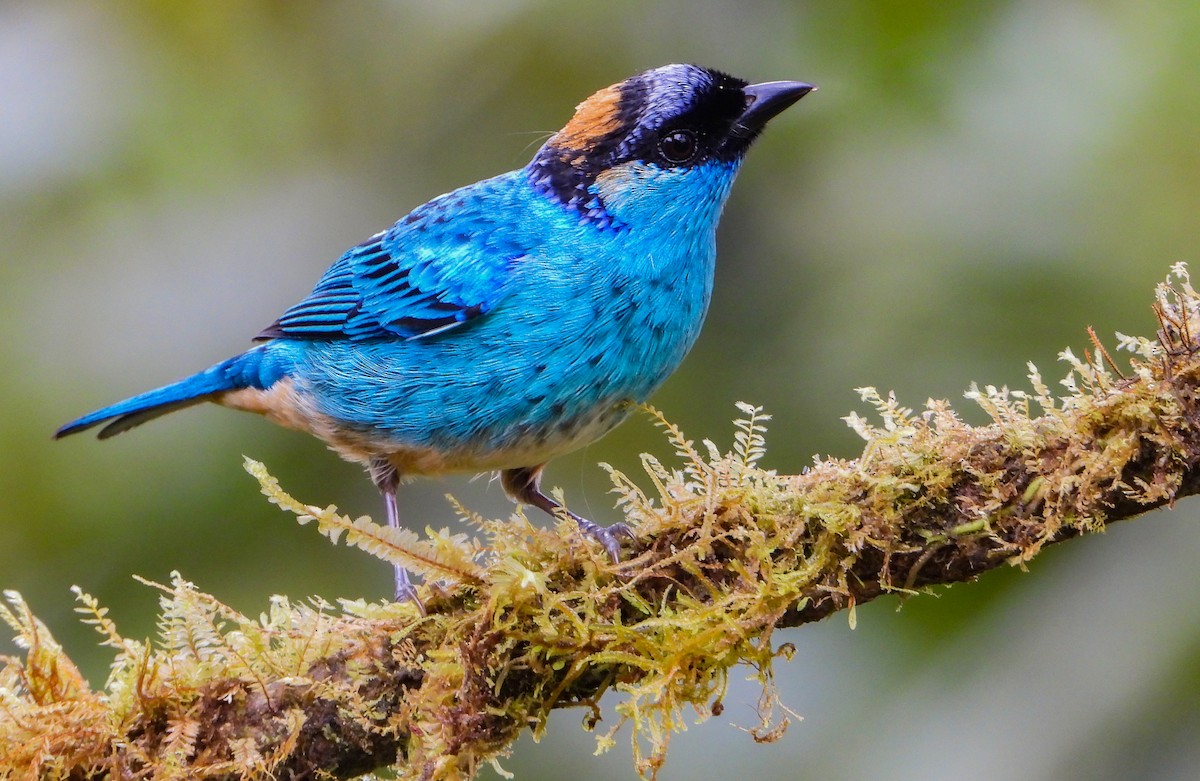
column 512, row 320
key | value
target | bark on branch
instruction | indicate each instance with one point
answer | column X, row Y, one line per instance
column 539, row 620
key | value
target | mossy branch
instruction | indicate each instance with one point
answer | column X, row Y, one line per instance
column 530, row 620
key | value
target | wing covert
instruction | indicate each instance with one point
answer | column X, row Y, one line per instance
column 426, row 275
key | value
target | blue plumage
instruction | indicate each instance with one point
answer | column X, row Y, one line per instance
column 512, row 320
column 251, row 369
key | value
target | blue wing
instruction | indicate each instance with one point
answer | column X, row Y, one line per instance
column 442, row 266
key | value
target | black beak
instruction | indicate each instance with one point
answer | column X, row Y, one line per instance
column 765, row 101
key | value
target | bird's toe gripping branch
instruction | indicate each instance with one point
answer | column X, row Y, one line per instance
column 523, row 485
column 608, row 536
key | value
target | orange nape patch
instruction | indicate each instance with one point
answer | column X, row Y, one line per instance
column 594, row 118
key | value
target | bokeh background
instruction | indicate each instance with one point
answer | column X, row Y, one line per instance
column 974, row 184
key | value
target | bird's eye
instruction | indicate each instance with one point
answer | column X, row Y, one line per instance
column 678, row 146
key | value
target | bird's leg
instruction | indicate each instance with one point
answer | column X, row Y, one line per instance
column 523, row 485
column 386, row 479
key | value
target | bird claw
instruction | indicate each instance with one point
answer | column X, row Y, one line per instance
column 608, row 536
column 406, row 591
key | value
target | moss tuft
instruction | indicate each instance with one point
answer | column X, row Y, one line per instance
column 534, row 619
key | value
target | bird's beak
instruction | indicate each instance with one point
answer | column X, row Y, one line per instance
column 765, row 101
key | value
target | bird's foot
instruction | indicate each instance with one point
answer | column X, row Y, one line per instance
column 608, row 536
column 522, row 485
column 406, row 591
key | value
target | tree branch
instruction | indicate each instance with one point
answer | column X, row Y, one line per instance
column 537, row 619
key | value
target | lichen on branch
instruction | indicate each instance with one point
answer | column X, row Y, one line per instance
column 520, row 620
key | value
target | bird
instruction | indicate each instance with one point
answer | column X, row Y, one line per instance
column 515, row 319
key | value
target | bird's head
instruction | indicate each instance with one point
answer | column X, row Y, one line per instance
column 672, row 135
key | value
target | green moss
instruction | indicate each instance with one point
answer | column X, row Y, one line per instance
column 520, row 620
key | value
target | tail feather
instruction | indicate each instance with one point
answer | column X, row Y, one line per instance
column 243, row 371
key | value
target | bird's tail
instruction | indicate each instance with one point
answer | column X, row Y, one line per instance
column 248, row 370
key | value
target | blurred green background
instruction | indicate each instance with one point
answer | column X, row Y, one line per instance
column 974, row 184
